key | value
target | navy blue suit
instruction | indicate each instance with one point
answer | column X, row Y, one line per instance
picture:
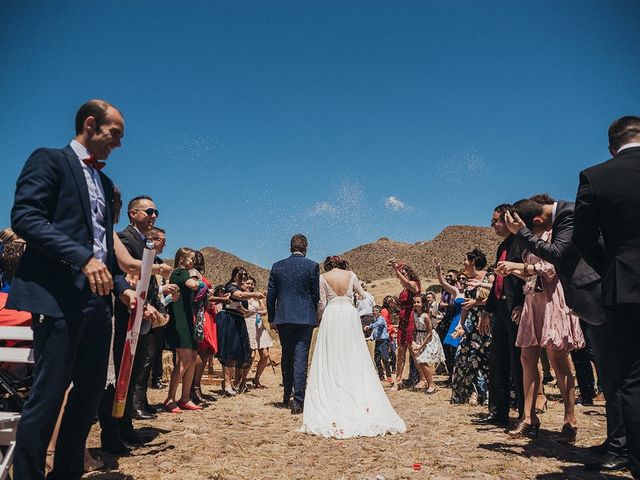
column 292, row 300
column 71, row 326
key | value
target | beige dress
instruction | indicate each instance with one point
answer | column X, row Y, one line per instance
column 258, row 335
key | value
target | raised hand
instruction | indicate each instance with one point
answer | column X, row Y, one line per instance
column 513, row 222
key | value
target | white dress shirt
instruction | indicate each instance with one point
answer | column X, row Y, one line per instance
column 97, row 201
column 365, row 306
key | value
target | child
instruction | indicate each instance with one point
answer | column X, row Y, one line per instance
column 426, row 346
column 380, row 334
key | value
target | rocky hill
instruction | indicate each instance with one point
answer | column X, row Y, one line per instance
column 369, row 261
column 220, row 263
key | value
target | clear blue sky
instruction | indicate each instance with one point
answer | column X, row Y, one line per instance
column 250, row 121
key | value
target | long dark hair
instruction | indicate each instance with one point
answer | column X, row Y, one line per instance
column 335, row 262
column 411, row 274
column 387, row 299
column 199, row 263
column 181, row 253
column 235, row 271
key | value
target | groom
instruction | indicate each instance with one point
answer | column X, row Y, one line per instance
column 292, row 299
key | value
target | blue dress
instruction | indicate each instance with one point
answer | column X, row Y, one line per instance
column 457, row 310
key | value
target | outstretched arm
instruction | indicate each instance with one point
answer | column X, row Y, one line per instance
column 443, row 283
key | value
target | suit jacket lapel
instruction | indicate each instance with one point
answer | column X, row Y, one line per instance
column 81, row 182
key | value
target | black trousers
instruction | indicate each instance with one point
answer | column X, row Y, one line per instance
column 108, row 425
column 139, row 395
column 601, row 342
column 584, row 371
column 295, row 340
column 504, row 364
column 66, row 350
column 156, row 366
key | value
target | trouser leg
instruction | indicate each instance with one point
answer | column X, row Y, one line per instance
column 584, row 373
column 624, row 324
column 89, row 377
column 515, row 365
column 602, row 346
column 301, row 361
column 156, row 368
column 286, row 363
column 499, row 368
column 53, row 354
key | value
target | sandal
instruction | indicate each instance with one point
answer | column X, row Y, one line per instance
column 257, row 384
column 171, row 407
column 431, row 390
column 189, row 406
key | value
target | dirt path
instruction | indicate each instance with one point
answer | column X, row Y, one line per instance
column 248, row 437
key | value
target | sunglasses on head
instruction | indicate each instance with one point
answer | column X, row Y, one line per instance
column 148, row 211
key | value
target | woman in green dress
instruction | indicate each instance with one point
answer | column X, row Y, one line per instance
column 180, row 332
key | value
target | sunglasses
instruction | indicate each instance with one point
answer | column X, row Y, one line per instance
column 148, row 211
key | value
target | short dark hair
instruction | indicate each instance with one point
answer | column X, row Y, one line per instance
column 156, row 230
column 543, row 199
column 478, row 258
column 622, row 130
column 218, row 290
column 93, row 108
column 527, row 210
column 133, row 203
column 387, row 299
column 502, row 209
column 299, row 243
column 10, row 254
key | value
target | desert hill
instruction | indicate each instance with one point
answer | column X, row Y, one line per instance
column 369, row 261
column 220, row 263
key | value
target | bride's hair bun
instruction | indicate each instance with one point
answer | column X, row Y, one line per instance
column 335, row 262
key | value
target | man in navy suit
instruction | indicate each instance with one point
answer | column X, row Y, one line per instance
column 292, row 300
column 64, row 210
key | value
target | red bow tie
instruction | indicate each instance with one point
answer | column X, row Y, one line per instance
column 93, row 162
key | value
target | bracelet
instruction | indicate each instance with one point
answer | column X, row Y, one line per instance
column 524, row 270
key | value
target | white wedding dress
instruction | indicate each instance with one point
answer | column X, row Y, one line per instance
column 344, row 397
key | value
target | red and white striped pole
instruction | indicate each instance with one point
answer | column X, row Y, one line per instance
column 133, row 331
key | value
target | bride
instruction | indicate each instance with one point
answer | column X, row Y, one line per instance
column 344, row 397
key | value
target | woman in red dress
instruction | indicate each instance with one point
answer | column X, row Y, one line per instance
column 411, row 287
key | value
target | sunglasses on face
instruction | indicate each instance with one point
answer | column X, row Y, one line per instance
column 148, row 211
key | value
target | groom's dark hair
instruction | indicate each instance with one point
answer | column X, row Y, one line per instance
column 299, row 243
column 528, row 210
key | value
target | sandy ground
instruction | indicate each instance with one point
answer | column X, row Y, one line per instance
column 249, row 437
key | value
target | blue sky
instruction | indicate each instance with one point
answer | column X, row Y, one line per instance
column 348, row 121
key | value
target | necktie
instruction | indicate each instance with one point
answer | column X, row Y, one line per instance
column 499, row 290
column 94, row 163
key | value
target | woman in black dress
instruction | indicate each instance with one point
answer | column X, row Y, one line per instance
column 234, row 350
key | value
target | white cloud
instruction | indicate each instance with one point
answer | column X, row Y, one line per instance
column 394, row 203
column 321, row 208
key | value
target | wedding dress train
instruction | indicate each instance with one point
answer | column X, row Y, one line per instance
column 344, row 397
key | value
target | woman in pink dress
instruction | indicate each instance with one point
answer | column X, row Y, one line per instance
column 545, row 323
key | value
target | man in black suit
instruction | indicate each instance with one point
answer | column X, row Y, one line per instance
column 608, row 204
column 292, row 300
column 505, row 304
column 117, row 435
column 64, row 210
column 582, row 289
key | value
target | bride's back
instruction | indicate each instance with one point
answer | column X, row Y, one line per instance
column 339, row 280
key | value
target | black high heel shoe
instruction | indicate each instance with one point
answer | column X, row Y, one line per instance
column 522, row 430
column 568, row 434
column 544, row 407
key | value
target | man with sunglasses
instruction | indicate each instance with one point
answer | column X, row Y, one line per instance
column 118, row 436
